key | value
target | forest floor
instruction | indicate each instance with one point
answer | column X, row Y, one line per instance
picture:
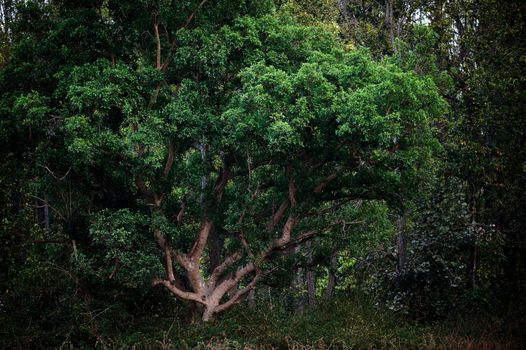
column 342, row 325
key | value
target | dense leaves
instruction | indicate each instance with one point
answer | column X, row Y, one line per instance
column 173, row 159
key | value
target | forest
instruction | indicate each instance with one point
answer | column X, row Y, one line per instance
column 262, row 174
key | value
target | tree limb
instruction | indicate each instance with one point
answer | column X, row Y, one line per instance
column 324, row 183
column 193, row 14
column 278, row 215
column 219, row 270
column 292, row 186
column 169, row 160
column 181, row 294
column 197, row 249
column 222, row 181
column 158, row 44
column 174, row 42
column 236, row 298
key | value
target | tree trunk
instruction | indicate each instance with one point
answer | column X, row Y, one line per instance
column 299, row 287
column 331, row 278
column 196, row 313
column 209, row 291
column 389, row 21
column 208, row 313
column 46, row 214
column 311, row 277
column 401, row 241
column 252, row 298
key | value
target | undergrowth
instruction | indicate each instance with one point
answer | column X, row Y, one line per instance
column 343, row 324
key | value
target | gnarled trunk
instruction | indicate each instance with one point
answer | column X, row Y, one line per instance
column 217, row 289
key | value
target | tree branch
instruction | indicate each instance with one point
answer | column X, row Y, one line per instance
column 181, row 294
column 169, row 160
column 174, row 42
column 291, row 222
column 230, row 283
column 180, row 215
column 222, row 181
column 219, row 270
column 236, row 298
column 197, row 249
column 278, row 215
column 143, row 189
column 292, row 186
column 158, row 44
column 193, row 14
column 324, row 183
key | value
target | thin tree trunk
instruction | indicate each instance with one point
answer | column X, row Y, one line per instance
column 474, row 266
column 46, row 215
column 311, row 277
column 401, row 241
column 299, row 287
column 389, row 21
column 331, row 277
column 252, row 298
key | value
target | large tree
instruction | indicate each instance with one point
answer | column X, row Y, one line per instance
column 229, row 140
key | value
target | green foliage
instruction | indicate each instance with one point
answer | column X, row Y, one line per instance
column 453, row 262
column 129, row 257
column 99, row 97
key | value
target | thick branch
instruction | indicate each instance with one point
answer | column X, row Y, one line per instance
column 222, row 181
column 161, row 241
column 292, row 187
column 179, row 293
column 230, row 283
column 292, row 220
column 278, row 215
column 158, row 44
column 199, row 245
column 169, row 160
column 236, row 298
column 174, row 42
column 308, row 235
column 143, row 189
column 324, row 183
column 193, row 273
column 180, row 215
column 218, row 271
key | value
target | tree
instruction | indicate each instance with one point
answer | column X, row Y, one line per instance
column 229, row 147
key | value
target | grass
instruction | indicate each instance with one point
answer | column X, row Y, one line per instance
column 344, row 324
